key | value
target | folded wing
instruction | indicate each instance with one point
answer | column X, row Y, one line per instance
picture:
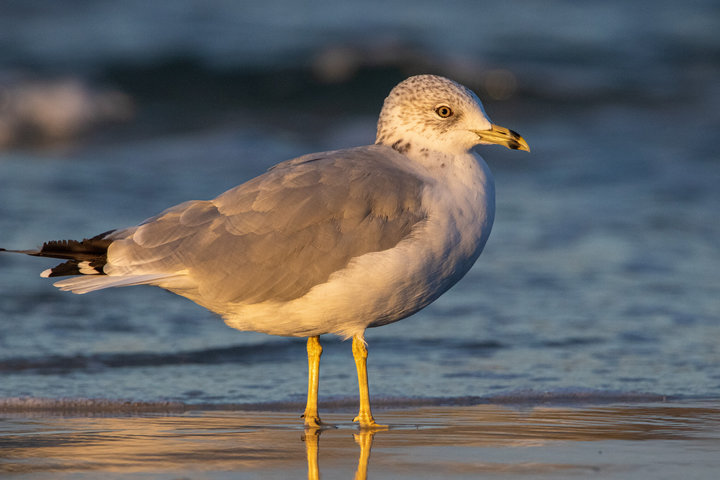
column 276, row 236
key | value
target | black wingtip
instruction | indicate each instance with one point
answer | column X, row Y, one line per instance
column 84, row 257
column 86, row 249
column 76, row 267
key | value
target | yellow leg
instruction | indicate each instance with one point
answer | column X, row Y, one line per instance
column 314, row 350
column 360, row 354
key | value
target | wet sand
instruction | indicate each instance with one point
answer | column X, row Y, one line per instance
column 654, row 440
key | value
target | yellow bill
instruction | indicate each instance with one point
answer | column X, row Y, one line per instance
column 503, row 136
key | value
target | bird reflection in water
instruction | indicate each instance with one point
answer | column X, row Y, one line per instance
column 312, row 447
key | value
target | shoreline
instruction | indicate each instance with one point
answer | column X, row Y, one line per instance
column 523, row 399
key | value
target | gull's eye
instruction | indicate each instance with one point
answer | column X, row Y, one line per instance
column 444, row 111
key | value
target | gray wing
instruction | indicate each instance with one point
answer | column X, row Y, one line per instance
column 280, row 234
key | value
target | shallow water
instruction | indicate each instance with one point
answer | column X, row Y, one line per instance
column 654, row 440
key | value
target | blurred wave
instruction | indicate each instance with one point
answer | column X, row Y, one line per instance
column 193, row 63
column 36, row 112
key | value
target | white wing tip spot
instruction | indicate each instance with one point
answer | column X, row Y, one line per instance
column 86, row 269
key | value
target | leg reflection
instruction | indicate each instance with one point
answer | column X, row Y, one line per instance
column 312, row 440
column 365, row 440
column 312, row 449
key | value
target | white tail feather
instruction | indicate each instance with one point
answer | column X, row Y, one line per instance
column 90, row 283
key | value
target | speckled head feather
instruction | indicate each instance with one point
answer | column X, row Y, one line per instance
column 411, row 117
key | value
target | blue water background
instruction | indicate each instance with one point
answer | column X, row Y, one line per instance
column 601, row 277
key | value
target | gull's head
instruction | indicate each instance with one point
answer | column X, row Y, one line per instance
column 432, row 113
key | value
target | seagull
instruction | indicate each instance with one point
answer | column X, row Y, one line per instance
column 327, row 243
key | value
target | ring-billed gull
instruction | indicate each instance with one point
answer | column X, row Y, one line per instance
column 332, row 242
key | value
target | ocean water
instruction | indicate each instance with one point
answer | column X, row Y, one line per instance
column 601, row 279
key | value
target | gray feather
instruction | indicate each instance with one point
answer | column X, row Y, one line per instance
column 280, row 234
